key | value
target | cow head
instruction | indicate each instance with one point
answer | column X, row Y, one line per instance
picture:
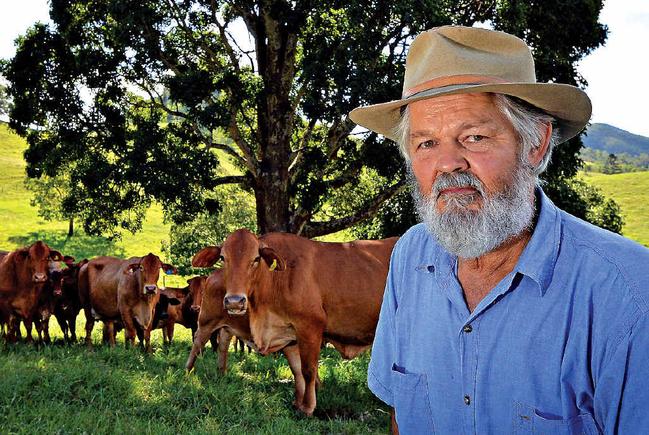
column 33, row 261
column 245, row 261
column 196, row 285
column 147, row 270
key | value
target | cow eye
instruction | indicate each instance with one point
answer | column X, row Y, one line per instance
column 255, row 262
column 221, row 258
column 141, row 267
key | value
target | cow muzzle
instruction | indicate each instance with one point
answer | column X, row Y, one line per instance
column 235, row 305
column 195, row 308
column 39, row 277
column 150, row 289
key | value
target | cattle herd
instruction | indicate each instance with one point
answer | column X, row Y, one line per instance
column 277, row 292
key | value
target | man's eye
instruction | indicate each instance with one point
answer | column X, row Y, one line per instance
column 426, row 144
column 475, row 138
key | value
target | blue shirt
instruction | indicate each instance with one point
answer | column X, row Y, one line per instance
column 559, row 346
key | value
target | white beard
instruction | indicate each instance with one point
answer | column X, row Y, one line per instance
column 470, row 233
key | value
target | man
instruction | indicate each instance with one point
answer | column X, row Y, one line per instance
column 502, row 313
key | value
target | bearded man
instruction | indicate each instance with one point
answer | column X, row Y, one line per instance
column 502, row 313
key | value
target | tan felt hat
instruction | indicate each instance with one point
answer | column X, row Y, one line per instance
column 461, row 60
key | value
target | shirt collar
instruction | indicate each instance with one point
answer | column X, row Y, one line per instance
column 540, row 255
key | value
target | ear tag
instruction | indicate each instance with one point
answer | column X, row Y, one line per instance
column 274, row 265
column 169, row 272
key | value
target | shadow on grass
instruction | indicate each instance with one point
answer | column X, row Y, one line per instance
column 79, row 246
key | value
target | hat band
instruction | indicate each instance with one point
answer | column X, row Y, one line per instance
column 445, row 81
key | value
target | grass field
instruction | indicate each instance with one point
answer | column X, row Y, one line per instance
column 631, row 192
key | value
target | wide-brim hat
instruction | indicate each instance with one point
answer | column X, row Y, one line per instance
column 460, row 60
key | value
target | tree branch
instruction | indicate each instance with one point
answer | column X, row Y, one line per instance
column 232, row 179
column 315, row 229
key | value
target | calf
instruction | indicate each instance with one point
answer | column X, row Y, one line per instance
column 299, row 290
column 23, row 276
column 112, row 289
column 67, row 305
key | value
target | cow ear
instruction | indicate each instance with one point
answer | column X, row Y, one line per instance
column 169, row 269
column 131, row 268
column 68, row 260
column 56, row 256
column 274, row 261
column 207, row 257
column 82, row 262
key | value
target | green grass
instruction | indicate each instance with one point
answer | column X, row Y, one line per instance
column 69, row 389
column 631, row 192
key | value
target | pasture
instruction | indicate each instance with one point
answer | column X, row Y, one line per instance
column 631, row 191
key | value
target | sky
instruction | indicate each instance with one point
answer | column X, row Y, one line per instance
column 617, row 73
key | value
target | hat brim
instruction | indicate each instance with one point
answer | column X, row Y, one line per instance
column 569, row 105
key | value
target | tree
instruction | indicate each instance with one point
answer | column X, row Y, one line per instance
column 131, row 96
column 4, row 100
column 49, row 196
column 612, row 165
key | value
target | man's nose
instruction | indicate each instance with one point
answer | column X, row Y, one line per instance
column 451, row 157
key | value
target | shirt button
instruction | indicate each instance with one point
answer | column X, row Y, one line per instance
column 467, row 328
column 467, row 400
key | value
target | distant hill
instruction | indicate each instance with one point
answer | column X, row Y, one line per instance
column 613, row 140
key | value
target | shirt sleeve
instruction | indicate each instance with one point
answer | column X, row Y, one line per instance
column 379, row 373
column 621, row 392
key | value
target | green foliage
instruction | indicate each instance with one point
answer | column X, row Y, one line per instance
column 612, row 166
column 595, row 160
column 228, row 211
column 603, row 212
column 129, row 96
column 4, row 100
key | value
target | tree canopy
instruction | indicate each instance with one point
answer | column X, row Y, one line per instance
column 143, row 100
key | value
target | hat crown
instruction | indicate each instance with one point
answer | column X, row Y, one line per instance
column 469, row 54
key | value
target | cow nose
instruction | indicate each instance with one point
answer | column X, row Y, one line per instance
column 150, row 289
column 57, row 292
column 235, row 304
column 195, row 308
column 40, row 277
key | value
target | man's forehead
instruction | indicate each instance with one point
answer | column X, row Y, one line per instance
column 427, row 129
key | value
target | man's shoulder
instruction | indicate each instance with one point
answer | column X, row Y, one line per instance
column 607, row 253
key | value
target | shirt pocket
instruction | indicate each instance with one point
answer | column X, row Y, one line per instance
column 529, row 420
column 411, row 402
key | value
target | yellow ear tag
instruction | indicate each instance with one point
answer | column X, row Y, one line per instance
column 274, row 265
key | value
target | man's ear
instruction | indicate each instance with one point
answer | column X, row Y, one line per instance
column 536, row 154
column 207, row 257
column 274, row 261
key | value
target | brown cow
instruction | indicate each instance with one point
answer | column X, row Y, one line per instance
column 218, row 326
column 185, row 312
column 296, row 289
column 67, row 306
column 112, row 289
column 23, row 275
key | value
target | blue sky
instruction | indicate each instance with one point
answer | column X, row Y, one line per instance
column 617, row 73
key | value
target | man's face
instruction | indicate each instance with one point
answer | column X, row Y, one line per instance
column 472, row 190
column 461, row 133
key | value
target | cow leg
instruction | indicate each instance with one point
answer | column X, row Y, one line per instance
column 309, row 346
column 73, row 330
column 63, row 324
column 90, row 322
column 225, row 337
column 170, row 331
column 292, row 354
column 39, row 329
column 129, row 329
column 28, row 329
column 203, row 334
column 109, row 333
column 45, row 326
column 147, row 340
